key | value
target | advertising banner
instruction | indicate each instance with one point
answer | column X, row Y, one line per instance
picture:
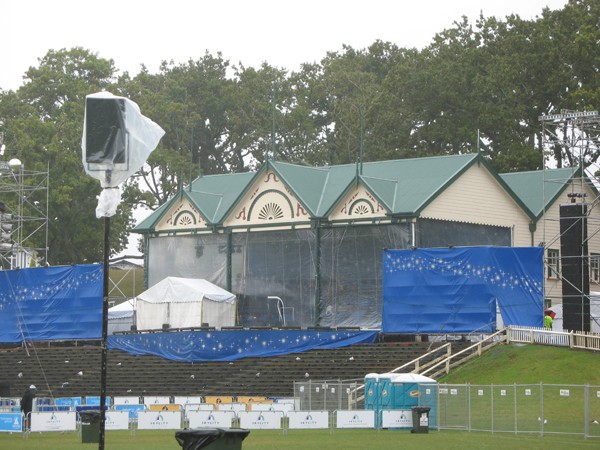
column 159, row 420
column 116, row 420
column 260, row 420
column 285, row 407
column 53, row 421
column 157, row 400
column 95, row 400
column 11, row 422
column 187, row 400
column 200, row 407
column 397, row 418
column 236, row 407
column 355, row 419
column 132, row 410
column 210, row 419
column 308, row 419
column 125, row 400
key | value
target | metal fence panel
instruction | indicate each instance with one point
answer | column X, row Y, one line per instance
column 529, row 408
column 593, row 408
column 453, row 407
column 326, row 395
column 567, row 413
column 525, row 408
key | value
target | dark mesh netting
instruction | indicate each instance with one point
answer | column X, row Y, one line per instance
column 275, row 264
column 351, row 259
column 198, row 256
column 440, row 233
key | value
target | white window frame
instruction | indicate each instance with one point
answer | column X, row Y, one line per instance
column 553, row 263
column 594, row 268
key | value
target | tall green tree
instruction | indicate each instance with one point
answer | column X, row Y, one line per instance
column 43, row 122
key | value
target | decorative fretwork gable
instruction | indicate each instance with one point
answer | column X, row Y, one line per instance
column 359, row 203
column 181, row 216
column 268, row 201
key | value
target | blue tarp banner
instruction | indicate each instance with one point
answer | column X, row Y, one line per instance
column 11, row 422
column 199, row 346
column 51, row 303
column 455, row 290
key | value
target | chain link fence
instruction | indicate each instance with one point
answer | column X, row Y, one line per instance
column 329, row 395
column 520, row 408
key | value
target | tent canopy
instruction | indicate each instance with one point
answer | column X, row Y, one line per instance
column 122, row 310
column 184, row 303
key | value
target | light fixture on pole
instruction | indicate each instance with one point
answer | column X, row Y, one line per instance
column 117, row 140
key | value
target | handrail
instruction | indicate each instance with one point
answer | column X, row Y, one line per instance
column 446, row 347
column 479, row 346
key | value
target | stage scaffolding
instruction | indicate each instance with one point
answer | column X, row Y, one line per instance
column 572, row 139
column 23, row 216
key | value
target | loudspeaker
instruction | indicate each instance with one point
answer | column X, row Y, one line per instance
column 575, row 267
column 105, row 134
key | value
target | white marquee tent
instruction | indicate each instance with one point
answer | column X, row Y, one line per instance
column 184, row 303
column 121, row 316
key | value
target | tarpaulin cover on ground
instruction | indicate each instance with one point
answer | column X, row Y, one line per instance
column 455, row 290
column 51, row 303
column 198, row 346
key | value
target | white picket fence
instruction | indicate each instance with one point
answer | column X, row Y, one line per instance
column 571, row 339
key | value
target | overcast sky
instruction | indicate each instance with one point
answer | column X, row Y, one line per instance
column 284, row 33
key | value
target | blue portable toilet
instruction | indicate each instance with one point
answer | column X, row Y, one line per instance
column 410, row 389
column 386, row 390
column 378, row 390
column 371, row 391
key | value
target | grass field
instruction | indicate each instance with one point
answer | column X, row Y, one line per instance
column 501, row 365
column 126, row 283
column 527, row 364
column 310, row 439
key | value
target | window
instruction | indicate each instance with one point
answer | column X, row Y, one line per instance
column 595, row 268
column 553, row 263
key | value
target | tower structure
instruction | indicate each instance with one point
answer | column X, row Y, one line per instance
column 23, row 215
column 573, row 138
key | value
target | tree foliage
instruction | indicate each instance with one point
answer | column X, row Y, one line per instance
column 43, row 123
column 478, row 86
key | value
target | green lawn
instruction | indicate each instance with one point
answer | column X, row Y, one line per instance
column 310, row 439
column 529, row 364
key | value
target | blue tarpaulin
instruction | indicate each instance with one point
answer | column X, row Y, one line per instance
column 51, row 303
column 199, row 346
column 455, row 290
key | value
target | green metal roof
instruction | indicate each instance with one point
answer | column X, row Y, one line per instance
column 405, row 187
column 214, row 195
column 418, row 181
column 538, row 189
column 307, row 182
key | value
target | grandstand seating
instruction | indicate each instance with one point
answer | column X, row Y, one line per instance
column 65, row 371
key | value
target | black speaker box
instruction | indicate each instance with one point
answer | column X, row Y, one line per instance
column 105, row 134
column 575, row 267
